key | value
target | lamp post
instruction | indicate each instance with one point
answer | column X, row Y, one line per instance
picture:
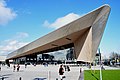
column 100, row 64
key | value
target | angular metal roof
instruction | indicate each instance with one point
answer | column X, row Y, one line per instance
column 84, row 34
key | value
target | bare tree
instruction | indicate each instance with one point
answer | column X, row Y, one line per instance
column 114, row 55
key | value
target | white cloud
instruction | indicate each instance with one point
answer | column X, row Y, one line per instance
column 6, row 13
column 62, row 21
column 46, row 23
column 12, row 44
column 20, row 35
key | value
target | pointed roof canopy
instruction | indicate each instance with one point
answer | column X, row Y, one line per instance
column 84, row 34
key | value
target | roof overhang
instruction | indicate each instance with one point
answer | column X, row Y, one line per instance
column 84, row 34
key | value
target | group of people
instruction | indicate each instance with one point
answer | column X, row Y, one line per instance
column 67, row 68
column 16, row 67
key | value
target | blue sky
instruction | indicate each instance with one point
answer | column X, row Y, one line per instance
column 23, row 21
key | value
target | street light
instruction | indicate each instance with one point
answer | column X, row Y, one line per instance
column 100, row 64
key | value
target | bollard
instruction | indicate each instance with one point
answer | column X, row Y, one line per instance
column 20, row 78
column 48, row 75
column 56, row 78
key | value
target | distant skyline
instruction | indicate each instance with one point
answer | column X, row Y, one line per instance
column 23, row 21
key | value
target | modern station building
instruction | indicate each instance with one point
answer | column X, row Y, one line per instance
column 83, row 34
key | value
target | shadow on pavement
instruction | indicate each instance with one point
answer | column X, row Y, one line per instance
column 2, row 77
column 6, row 75
column 40, row 79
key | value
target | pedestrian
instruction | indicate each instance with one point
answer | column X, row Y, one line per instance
column 18, row 67
column 14, row 68
column 25, row 65
column 68, row 68
column 0, row 68
column 65, row 67
column 61, row 72
column 81, row 77
column 80, row 70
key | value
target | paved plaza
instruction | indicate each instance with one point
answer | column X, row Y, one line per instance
column 49, row 72
column 38, row 71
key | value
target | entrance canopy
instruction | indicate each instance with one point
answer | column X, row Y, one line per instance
column 84, row 34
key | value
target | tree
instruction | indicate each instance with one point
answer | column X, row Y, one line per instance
column 115, row 57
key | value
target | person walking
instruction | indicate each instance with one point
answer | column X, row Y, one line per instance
column 68, row 68
column 81, row 77
column 61, row 72
column 14, row 67
column 25, row 65
column 18, row 67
